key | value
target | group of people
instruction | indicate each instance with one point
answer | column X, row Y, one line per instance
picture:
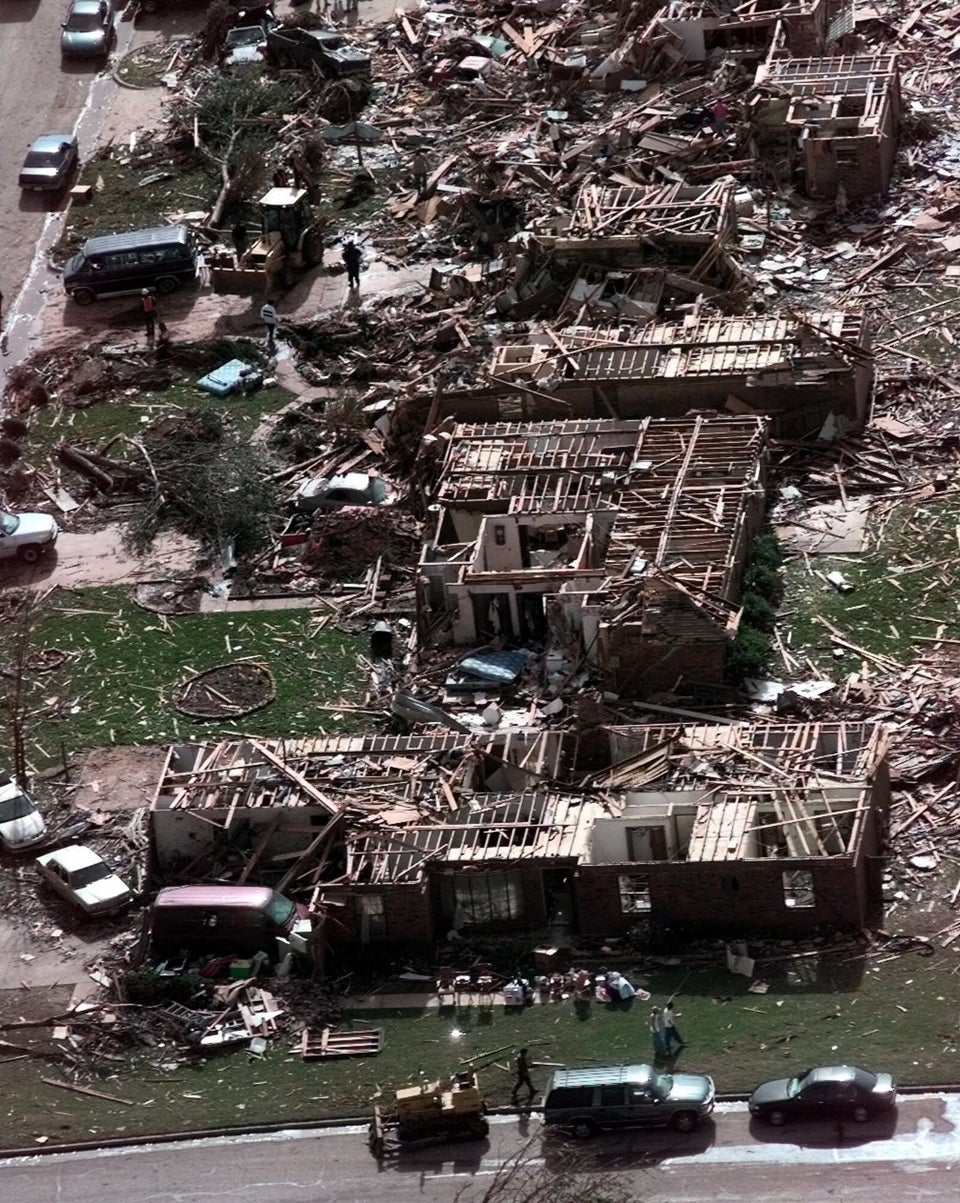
column 664, row 1031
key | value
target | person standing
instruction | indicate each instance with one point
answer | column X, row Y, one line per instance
column 240, row 241
column 352, row 257
column 420, row 170
column 148, row 305
column 1, row 308
column 655, row 1024
column 840, row 200
column 719, row 113
column 671, row 1033
column 268, row 315
column 523, row 1076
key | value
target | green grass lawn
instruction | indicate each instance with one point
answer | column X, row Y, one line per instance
column 122, row 201
column 901, row 1016
column 904, row 586
column 93, row 425
column 125, row 662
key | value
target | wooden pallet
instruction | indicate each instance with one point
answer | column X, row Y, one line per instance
column 365, row 1042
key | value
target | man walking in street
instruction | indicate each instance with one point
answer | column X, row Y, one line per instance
column 352, row 257
column 148, row 304
column 523, row 1077
column 268, row 315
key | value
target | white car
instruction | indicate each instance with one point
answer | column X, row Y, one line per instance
column 84, row 879
column 335, row 492
column 21, row 824
column 26, row 536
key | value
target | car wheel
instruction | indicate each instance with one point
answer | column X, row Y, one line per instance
column 29, row 554
column 860, row 1114
column 479, row 1129
column 777, row 1118
column 84, row 296
column 583, row 1129
column 167, row 284
column 684, row 1121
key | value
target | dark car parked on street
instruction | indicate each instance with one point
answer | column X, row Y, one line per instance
column 833, row 1090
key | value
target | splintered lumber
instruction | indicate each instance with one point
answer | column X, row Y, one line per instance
column 96, row 1094
column 365, row 1042
column 311, row 791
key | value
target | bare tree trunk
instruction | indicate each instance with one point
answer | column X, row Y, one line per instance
column 216, row 213
column 18, row 642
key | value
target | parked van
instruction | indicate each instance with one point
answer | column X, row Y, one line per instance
column 585, row 1101
column 117, row 264
column 226, row 919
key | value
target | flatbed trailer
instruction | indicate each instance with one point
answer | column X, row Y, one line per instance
column 429, row 1114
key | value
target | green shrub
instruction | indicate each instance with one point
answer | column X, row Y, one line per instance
column 748, row 655
column 757, row 612
column 149, row 988
column 763, row 571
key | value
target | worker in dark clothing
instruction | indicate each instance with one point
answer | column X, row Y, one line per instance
column 148, row 303
column 281, row 179
column 240, row 240
column 420, row 170
column 352, row 258
column 523, row 1076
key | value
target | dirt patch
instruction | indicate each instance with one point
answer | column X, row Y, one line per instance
column 115, row 779
column 226, row 691
column 99, row 557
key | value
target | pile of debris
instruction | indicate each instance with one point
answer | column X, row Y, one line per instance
column 363, row 545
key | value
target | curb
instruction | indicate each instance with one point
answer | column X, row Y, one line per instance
column 166, row 1138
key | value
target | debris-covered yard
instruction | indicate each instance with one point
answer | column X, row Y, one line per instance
column 576, row 590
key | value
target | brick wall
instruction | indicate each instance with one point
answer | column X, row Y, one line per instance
column 726, row 897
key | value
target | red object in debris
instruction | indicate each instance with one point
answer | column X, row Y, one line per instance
column 294, row 538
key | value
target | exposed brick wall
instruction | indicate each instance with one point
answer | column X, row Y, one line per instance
column 734, row 897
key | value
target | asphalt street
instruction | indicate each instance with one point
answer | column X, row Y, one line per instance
column 915, row 1156
column 38, row 95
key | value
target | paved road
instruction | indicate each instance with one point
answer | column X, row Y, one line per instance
column 915, row 1157
column 37, row 96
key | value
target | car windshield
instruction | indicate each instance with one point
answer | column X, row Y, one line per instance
column 795, row 1085
column 42, row 158
column 245, row 37
column 281, row 910
column 17, row 807
column 8, row 523
column 661, row 1085
column 82, row 22
column 89, row 874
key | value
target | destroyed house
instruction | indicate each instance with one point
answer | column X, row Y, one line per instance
column 706, row 32
column 797, row 371
column 830, row 121
column 687, row 227
column 614, row 545
column 740, row 829
column 264, row 808
column 759, row 827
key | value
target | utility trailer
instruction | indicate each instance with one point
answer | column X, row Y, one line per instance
column 428, row 1114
